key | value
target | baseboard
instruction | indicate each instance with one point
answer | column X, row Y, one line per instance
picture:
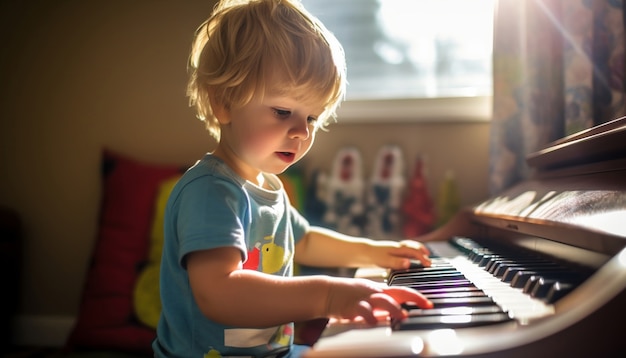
column 42, row 331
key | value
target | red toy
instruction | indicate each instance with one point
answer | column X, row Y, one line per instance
column 418, row 208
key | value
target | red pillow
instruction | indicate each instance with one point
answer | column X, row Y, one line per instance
column 106, row 319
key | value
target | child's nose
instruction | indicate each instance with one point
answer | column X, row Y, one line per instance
column 300, row 129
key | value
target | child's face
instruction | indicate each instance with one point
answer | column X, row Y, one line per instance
column 267, row 135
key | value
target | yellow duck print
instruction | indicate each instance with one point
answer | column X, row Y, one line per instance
column 213, row 354
column 285, row 337
column 273, row 256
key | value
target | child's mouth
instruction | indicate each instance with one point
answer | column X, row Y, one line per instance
column 286, row 156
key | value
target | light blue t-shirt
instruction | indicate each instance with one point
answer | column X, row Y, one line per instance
column 212, row 207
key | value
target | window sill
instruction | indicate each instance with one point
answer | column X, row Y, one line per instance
column 454, row 109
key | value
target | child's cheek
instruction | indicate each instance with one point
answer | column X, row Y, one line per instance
column 255, row 141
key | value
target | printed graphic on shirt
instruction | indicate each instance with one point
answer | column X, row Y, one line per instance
column 270, row 338
column 249, row 337
column 254, row 257
column 282, row 337
column 213, row 353
column 267, row 257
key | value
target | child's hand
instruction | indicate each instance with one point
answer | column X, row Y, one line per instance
column 398, row 255
column 352, row 298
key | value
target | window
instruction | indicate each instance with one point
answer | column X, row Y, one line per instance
column 412, row 59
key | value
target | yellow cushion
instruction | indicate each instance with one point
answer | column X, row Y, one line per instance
column 146, row 297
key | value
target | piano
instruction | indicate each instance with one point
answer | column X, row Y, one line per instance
column 537, row 271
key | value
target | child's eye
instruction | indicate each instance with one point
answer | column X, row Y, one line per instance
column 311, row 120
column 282, row 113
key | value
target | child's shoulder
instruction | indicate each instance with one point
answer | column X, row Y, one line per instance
column 214, row 168
column 209, row 176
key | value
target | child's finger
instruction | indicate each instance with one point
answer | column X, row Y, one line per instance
column 384, row 302
column 413, row 250
column 404, row 294
column 365, row 310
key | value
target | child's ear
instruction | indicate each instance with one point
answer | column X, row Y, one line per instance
column 219, row 110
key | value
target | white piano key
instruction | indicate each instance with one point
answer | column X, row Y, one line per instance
column 519, row 305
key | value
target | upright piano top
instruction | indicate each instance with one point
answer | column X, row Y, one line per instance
column 578, row 187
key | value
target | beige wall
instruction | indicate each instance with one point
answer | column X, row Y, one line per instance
column 77, row 76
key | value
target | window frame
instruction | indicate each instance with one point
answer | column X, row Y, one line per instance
column 435, row 109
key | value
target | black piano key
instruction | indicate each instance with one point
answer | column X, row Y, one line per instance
column 478, row 254
column 558, row 291
column 521, row 278
column 498, row 265
column 439, row 284
column 544, row 285
column 437, row 268
column 541, row 287
column 476, row 293
column 517, row 276
column 432, row 269
column 510, row 273
column 450, row 321
column 454, row 302
column 531, row 283
column 422, row 277
column 450, row 289
column 563, row 276
column 425, row 271
column 500, row 270
column 415, row 264
column 496, row 262
column 473, row 310
column 418, row 278
column 455, row 275
column 486, row 260
column 462, row 301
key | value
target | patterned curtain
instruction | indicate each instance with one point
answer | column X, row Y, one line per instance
column 558, row 69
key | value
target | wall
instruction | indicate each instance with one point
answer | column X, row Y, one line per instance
column 77, row 76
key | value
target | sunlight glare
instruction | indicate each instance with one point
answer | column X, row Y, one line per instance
column 445, row 342
column 420, row 24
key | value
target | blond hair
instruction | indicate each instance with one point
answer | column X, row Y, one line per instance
column 245, row 42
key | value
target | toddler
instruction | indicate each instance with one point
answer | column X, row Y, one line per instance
column 266, row 76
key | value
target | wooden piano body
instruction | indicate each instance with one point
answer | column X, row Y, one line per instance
column 573, row 210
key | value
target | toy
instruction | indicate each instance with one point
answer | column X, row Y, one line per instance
column 344, row 193
column 418, row 207
column 385, row 191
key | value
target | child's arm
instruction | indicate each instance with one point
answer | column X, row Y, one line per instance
column 326, row 248
column 228, row 294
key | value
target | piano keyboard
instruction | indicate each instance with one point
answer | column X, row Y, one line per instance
column 497, row 289
column 478, row 286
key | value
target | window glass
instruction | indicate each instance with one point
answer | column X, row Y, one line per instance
column 412, row 49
